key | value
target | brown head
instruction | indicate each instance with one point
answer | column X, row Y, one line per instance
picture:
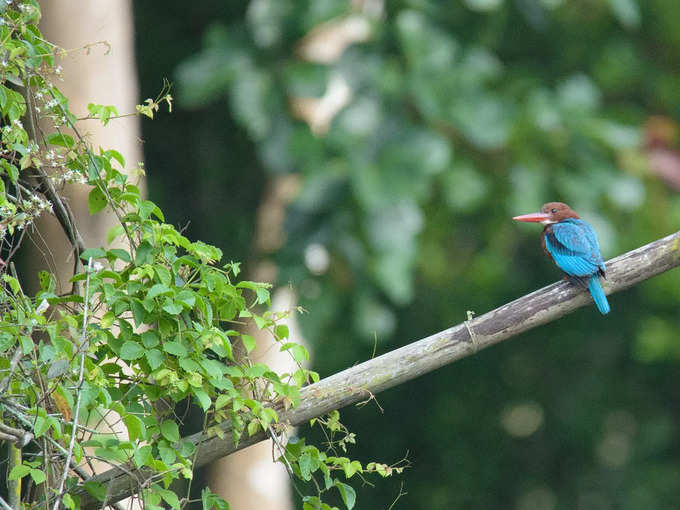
column 552, row 212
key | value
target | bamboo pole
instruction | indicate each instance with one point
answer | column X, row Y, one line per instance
column 401, row 365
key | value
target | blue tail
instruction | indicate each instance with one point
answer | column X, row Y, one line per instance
column 598, row 294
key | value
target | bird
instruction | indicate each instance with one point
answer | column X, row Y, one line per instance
column 572, row 244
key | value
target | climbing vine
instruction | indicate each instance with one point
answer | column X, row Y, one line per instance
column 100, row 374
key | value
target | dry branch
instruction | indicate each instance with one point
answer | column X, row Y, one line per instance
column 408, row 362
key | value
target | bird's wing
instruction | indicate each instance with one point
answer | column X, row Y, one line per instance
column 595, row 254
column 571, row 247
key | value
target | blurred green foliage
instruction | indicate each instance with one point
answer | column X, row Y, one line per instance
column 461, row 114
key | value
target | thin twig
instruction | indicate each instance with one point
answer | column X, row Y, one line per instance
column 103, row 186
column 4, row 505
column 193, row 460
column 60, row 207
column 401, row 493
column 16, row 246
column 10, row 407
column 4, row 384
column 74, row 431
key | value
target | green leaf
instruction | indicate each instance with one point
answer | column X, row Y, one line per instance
column 260, row 290
column 96, row 490
column 210, row 501
column 19, row 472
column 203, row 398
column 262, row 295
column 312, row 503
column 175, row 348
column 189, row 365
column 41, row 426
column 95, row 253
column 261, row 322
column 186, row 448
column 248, row 342
column 60, row 139
column 222, row 401
column 351, row 468
column 107, row 320
column 169, row 497
column 120, row 254
column 135, row 427
column 281, row 331
column 131, row 351
column 186, row 297
column 117, row 156
column 150, row 339
column 138, row 312
column 96, row 200
column 47, row 281
column 143, row 455
column 144, row 253
column 163, row 274
column 299, row 352
column 257, row 370
column 155, row 358
column 145, row 208
column 157, row 290
column 12, row 170
column 68, row 501
column 171, row 307
column 253, row 427
column 212, row 367
column 167, row 454
column 170, row 431
column 6, row 341
column 347, row 494
column 102, row 112
column 27, row 344
column 305, row 464
column 3, row 96
column 38, row 475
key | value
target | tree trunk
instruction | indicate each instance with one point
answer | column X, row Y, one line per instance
column 94, row 75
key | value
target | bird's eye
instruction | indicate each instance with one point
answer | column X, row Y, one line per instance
column 553, row 210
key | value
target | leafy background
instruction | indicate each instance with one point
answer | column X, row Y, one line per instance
column 463, row 113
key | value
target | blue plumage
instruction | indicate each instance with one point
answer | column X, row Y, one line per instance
column 572, row 243
column 598, row 294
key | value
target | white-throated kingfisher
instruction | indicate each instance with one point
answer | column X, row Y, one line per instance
column 572, row 244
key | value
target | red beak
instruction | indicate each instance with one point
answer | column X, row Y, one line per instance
column 536, row 217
